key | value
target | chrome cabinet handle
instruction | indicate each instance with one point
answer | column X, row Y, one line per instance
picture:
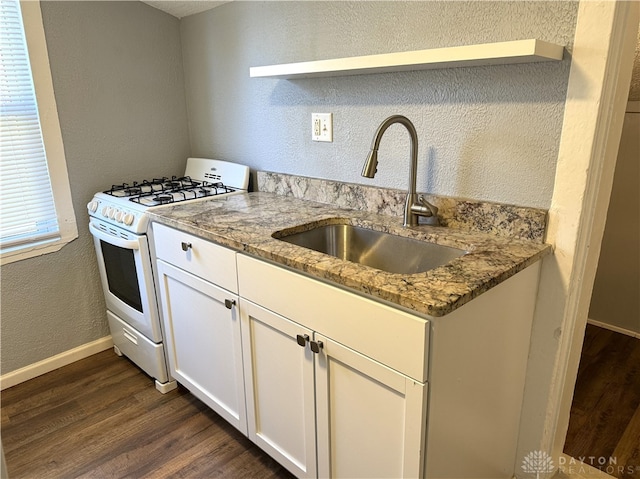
column 302, row 339
column 186, row 246
column 316, row 346
column 228, row 303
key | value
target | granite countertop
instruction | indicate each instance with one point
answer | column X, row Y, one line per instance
column 246, row 222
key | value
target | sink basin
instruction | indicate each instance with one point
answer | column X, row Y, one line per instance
column 376, row 249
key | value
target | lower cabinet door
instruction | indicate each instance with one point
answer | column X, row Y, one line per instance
column 279, row 384
column 203, row 341
column 368, row 417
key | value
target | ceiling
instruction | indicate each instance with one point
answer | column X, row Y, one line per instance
column 181, row 9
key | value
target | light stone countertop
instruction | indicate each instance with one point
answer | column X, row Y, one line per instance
column 246, row 222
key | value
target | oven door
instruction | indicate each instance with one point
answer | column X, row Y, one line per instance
column 127, row 277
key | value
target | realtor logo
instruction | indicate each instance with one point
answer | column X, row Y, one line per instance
column 537, row 461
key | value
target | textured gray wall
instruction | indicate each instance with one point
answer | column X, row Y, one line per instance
column 488, row 133
column 117, row 74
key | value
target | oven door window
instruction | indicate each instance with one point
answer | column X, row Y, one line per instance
column 122, row 274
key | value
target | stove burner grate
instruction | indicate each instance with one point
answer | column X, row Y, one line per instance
column 180, row 189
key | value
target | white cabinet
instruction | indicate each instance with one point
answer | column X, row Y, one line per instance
column 279, row 381
column 307, row 392
column 335, row 385
column 374, row 415
column 370, row 419
column 201, row 322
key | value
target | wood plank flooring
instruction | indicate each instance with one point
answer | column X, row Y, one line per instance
column 605, row 414
column 103, row 418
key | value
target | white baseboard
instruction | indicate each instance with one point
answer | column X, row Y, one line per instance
column 59, row 360
column 617, row 329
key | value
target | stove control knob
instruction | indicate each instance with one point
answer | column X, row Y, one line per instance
column 119, row 216
column 105, row 210
column 128, row 219
column 92, row 206
column 112, row 213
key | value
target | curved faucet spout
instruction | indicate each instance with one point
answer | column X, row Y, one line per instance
column 371, row 165
column 414, row 206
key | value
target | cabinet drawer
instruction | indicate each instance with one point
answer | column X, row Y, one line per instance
column 392, row 337
column 198, row 256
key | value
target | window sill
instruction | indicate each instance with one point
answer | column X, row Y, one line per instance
column 18, row 253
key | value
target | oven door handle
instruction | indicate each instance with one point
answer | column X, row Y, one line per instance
column 114, row 240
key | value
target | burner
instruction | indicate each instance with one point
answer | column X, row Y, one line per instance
column 163, row 199
column 132, row 191
column 187, row 182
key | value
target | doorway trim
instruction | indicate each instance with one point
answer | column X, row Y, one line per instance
column 598, row 87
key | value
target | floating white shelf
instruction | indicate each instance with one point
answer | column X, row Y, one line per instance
column 502, row 53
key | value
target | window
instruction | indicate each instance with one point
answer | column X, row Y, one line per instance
column 36, row 213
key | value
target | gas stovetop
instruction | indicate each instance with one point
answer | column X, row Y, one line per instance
column 164, row 190
column 124, row 205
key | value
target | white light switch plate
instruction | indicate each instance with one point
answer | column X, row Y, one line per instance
column 322, row 127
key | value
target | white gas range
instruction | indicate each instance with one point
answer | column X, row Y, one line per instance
column 124, row 205
column 119, row 223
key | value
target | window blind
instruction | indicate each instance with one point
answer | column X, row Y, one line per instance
column 27, row 209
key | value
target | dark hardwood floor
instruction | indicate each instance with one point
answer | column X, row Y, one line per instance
column 103, row 418
column 605, row 414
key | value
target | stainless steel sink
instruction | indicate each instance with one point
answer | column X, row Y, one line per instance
column 384, row 251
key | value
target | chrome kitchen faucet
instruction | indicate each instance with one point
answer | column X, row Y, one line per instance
column 415, row 205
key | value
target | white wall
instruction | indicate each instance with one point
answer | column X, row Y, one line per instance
column 615, row 300
column 117, row 75
column 486, row 133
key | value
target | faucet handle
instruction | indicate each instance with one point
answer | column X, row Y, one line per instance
column 424, row 201
column 423, row 208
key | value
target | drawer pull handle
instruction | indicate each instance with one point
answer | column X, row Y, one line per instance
column 186, row 246
column 316, row 346
column 129, row 336
column 302, row 339
column 228, row 303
